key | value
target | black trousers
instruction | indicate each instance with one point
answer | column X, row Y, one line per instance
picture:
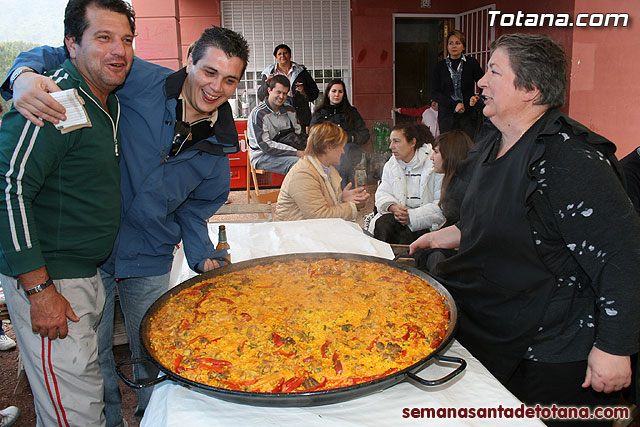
column 391, row 231
column 466, row 122
column 559, row 383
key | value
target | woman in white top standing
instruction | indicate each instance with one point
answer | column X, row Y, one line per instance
column 407, row 198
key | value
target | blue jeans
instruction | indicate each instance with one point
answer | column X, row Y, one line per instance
column 277, row 164
column 136, row 296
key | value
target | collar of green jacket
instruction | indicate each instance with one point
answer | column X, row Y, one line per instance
column 79, row 82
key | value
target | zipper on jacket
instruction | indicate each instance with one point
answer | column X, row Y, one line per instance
column 114, row 126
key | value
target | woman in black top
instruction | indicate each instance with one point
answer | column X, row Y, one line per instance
column 453, row 85
column 450, row 151
column 335, row 108
column 546, row 276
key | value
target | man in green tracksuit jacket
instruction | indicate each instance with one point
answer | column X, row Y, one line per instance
column 59, row 218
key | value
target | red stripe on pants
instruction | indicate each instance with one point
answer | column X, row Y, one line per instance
column 55, row 383
column 46, row 379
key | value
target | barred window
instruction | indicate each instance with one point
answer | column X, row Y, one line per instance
column 318, row 32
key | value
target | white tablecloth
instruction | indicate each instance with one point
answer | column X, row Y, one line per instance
column 173, row 405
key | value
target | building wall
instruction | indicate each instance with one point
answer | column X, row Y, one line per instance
column 166, row 28
column 158, row 26
column 195, row 17
column 605, row 89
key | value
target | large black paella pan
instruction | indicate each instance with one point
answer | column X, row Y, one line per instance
column 301, row 398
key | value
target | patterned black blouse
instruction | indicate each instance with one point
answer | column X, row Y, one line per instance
column 582, row 281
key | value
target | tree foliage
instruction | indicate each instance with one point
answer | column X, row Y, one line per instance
column 8, row 52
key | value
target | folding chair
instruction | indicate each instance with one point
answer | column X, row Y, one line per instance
column 252, row 174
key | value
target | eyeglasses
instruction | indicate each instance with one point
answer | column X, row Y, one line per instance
column 181, row 134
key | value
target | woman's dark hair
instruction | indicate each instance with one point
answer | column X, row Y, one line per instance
column 281, row 46
column 416, row 131
column 75, row 16
column 454, row 147
column 346, row 105
column 537, row 61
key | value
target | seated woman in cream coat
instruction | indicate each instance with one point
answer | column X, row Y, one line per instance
column 407, row 198
column 311, row 189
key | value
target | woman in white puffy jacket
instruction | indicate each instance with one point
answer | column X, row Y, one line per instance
column 407, row 198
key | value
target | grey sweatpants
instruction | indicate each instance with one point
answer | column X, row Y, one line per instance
column 64, row 374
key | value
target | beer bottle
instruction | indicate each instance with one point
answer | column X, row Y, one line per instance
column 222, row 241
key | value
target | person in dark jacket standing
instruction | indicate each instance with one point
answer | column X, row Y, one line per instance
column 303, row 88
column 337, row 109
column 453, row 85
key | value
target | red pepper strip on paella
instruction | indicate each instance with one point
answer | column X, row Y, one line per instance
column 323, row 348
column 176, row 364
column 358, row 380
column 277, row 340
column 239, row 385
column 293, row 383
column 214, row 368
column 319, row 386
column 214, row 362
column 337, row 365
column 278, row 387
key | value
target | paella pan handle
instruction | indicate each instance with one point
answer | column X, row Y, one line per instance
column 400, row 251
column 402, row 255
column 132, row 384
column 463, row 365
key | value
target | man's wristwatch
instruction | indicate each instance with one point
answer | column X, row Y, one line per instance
column 18, row 71
column 41, row 287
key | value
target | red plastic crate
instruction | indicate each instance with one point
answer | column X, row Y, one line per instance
column 238, row 177
column 238, row 159
column 238, row 163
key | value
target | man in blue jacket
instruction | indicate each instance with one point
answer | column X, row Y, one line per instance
column 177, row 130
